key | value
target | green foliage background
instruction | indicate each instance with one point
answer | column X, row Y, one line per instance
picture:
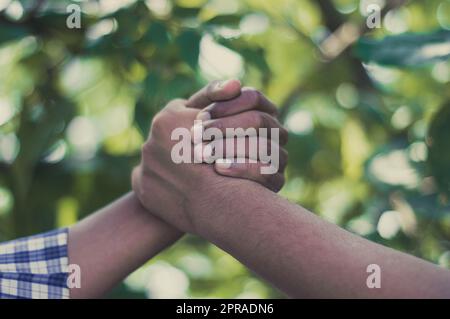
column 368, row 113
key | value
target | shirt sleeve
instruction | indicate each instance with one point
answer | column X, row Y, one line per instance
column 35, row 267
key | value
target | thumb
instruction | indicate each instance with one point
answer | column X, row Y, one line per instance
column 214, row 92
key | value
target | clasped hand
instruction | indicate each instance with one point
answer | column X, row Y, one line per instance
column 174, row 192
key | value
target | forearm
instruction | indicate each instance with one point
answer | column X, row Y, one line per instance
column 111, row 243
column 305, row 256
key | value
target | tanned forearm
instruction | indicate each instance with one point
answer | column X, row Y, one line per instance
column 111, row 243
column 305, row 256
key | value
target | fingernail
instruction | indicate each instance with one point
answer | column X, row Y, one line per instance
column 204, row 116
column 197, row 133
column 224, row 163
column 220, row 85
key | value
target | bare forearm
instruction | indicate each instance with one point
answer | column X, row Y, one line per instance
column 111, row 243
column 305, row 256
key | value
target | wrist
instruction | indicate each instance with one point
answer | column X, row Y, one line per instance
column 146, row 219
column 219, row 202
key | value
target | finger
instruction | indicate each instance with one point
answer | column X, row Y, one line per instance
column 250, row 171
column 249, row 123
column 136, row 180
column 250, row 99
column 252, row 149
column 213, row 92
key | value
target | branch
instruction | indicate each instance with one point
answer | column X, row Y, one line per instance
column 344, row 36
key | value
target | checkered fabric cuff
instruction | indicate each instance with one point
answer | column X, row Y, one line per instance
column 35, row 267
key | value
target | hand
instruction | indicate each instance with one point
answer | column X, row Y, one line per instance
column 250, row 109
column 177, row 188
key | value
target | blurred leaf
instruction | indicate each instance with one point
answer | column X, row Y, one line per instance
column 103, row 46
column 146, row 106
column 152, row 87
column 256, row 57
column 179, row 87
column 405, row 50
column 252, row 55
column 142, row 117
column 439, row 150
column 123, row 292
column 189, row 46
column 301, row 152
column 230, row 20
column 157, row 34
column 11, row 33
column 185, row 12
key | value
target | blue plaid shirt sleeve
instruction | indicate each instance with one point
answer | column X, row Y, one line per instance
column 35, row 267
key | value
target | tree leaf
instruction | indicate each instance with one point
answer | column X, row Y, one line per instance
column 189, row 44
column 157, row 34
column 251, row 55
column 11, row 33
column 142, row 117
column 439, row 152
column 256, row 56
column 405, row 50
column 183, row 12
column 229, row 20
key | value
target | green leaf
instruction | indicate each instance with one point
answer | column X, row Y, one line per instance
column 182, row 12
column 189, row 44
column 251, row 55
column 157, row 34
column 257, row 58
column 229, row 20
column 11, row 33
column 152, row 87
column 405, row 50
column 142, row 117
column 439, row 152
column 147, row 105
column 104, row 46
column 179, row 87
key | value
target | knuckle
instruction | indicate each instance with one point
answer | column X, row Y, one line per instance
column 275, row 112
column 253, row 95
column 135, row 178
column 218, row 124
column 268, row 179
column 210, row 88
column 215, row 110
column 276, row 182
column 174, row 105
column 161, row 122
column 158, row 123
column 264, row 120
column 176, row 102
column 280, row 184
column 147, row 150
column 251, row 119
